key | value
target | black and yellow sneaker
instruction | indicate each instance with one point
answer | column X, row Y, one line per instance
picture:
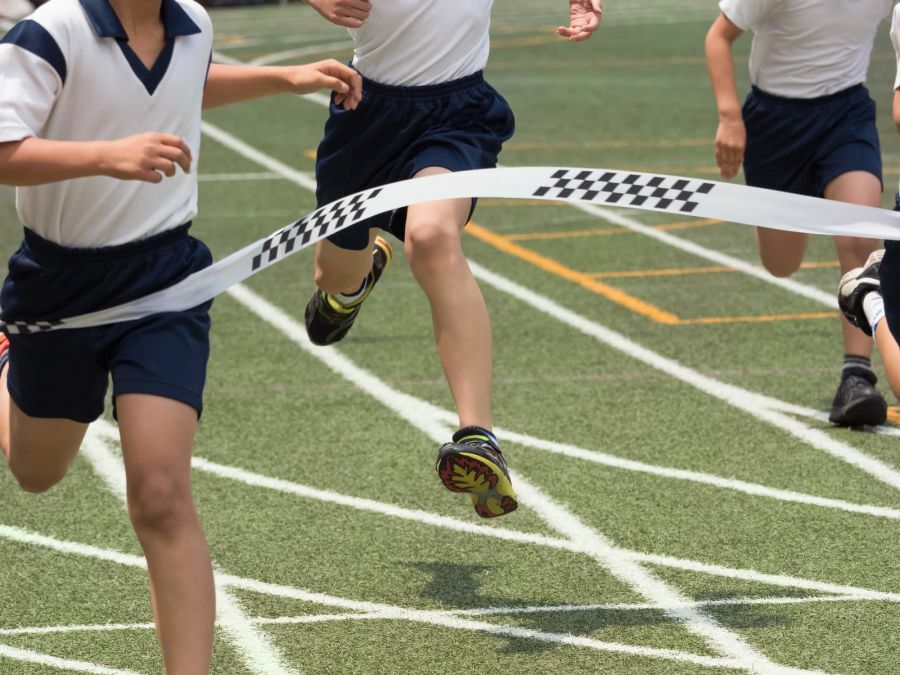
column 857, row 403
column 327, row 320
column 472, row 463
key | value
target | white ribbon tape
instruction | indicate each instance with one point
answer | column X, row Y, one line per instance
column 649, row 192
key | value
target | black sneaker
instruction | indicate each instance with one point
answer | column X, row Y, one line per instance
column 854, row 286
column 857, row 402
column 472, row 463
column 327, row 321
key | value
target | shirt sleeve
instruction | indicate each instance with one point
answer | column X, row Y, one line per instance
column 32, row 73
column 895, row 39
column 746, row 14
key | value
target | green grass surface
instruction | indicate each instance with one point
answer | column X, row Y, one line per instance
column 634, row 97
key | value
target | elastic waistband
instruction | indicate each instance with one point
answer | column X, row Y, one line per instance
column 819, row 100
column 41, row 248
column 424, row 91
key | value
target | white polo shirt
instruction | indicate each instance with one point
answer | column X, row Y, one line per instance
column 67, row 73
column 808, row 48
column 421, row 42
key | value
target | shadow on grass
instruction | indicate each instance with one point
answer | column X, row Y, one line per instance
column 459, row 587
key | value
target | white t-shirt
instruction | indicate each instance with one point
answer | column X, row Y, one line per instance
column 64, row 76
column 895, row 38
column 421, row 42
column 808, row 48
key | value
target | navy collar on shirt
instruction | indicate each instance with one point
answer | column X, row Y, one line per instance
column 107, row 24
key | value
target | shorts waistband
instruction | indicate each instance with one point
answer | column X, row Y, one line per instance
column 424, row 91
column 41, row 248
column 819, row 100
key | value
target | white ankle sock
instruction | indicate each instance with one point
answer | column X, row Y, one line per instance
column 873, row 306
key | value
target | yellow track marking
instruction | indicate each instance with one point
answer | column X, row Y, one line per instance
column 553, row 267
column 757, row 319
column 525, row 236
column 683, row 271
column 607, row 144
column 630, row 302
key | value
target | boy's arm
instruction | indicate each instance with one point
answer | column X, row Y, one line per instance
column 346, row 13
column 584, row 18
column 731, row 136
column 228, row 84
column 896, row 109
column 146, row 157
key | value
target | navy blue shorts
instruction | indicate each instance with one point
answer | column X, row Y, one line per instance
column 889, row 273
column 801, row 145
column 65, row 373
column 395, row 132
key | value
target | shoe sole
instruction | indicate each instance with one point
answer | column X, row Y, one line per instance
column 492, row 493
column 867, row 412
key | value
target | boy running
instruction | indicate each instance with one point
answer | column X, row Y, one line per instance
column 100, row 103
column 807, row 127
column 869, row 295
column 426, row 110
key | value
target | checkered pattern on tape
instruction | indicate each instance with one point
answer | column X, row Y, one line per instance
column 628, row 189
column 321, row 223
column 26, row 327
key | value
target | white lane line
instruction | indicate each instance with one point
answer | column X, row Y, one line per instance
column 71, row 665
column 754, row 404
column 299, row 52
column 805, row 290
column 623, row 567
column 615, row 216
column 645, row 607
column 259, row 654
column 479, row 611
column 229, row 177
column 596, row 545
column 386, row 611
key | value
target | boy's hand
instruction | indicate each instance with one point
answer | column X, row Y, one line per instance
column 330, row 74
column 731, row 139
column 145, row 157
column 346, row 13
column 584, row 18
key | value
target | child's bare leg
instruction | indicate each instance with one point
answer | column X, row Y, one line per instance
column 157, row 440
column 856, row 187
column 780, row 252
column 890, row 355
column 462, row 328
column 39, row 451
column 340, row 270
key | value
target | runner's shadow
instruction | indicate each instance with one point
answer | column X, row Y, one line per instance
column 459, row 586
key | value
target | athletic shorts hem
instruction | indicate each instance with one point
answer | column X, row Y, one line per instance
column 37, row 411
column 161, row 389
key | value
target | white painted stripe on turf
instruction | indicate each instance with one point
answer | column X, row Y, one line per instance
column 18, row 534
column 450, row 621
column 614, row 216
column 228, row 177
column 805, row 290
column 622, row 566
column 644, row 607
column 383, row 610
column 76, row 628
column 253, row 646
column 289, row 54
column 594, row 544
column 28, row 656
column 696, row 476
column 423, row 412
column 254, row 155
column 749, row 402
column 755, row 404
